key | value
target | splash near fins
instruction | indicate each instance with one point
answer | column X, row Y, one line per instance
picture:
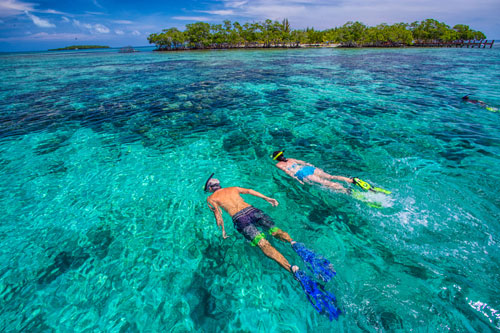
column 318, row 265
column 322, row 300
column 361, row 197
column 367, row 187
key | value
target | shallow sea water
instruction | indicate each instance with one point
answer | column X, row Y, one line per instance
column 103, row 157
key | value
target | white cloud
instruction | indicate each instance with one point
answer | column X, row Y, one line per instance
column 192, row 18
column 14, row 7
column 119, row 32
column 218, row 12
column 51, row 37
column 97, row 4
column 136, row 33
column 65, row 19
column 330, row 13
column 101, row 29
column 50, row 11
column 39, row 22
column 122, row 22
column 96, row 28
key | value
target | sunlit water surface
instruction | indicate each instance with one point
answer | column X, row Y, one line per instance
column 104, row 222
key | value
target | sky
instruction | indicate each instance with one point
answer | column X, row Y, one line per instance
column 42, row 24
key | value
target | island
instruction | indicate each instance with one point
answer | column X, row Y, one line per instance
column 80, row 47
column 275, row 34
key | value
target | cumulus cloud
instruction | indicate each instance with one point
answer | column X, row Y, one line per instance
column 136, row 33
column 119, row 32
column 39, row 22
column 65, row 19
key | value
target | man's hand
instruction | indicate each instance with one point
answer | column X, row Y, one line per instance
column 224, row 235
column 273, row 202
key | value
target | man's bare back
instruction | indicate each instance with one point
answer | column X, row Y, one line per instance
column 229, row 199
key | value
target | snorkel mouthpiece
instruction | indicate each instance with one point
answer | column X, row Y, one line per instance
column 206, row 183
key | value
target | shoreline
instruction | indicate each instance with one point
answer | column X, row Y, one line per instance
column 317, row 46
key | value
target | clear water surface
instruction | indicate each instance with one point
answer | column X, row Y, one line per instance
column 104, row 222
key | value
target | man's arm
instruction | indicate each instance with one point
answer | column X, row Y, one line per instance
column 214, row 207
column 272, row 201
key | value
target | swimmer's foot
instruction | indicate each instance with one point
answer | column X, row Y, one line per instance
column 295, row 269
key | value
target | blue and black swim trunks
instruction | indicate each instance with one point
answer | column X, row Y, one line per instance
column 247, row 220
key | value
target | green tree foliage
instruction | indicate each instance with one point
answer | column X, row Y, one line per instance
column 464, row 32
column 280, row 34
column 198, row 35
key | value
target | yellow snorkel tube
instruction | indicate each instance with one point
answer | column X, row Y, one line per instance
column 278, row 155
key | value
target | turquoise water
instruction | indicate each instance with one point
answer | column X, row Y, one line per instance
column 105, row 227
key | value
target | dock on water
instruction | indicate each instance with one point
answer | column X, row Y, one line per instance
column 457, row 43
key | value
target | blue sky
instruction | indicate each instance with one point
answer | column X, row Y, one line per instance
column 27, row 25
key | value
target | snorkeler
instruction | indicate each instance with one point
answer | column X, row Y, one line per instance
column 305, row 172
column 247, row 218
column 480, row 103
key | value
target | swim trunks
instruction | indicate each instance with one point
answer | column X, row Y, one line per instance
column 304, row 172
column 247, row 220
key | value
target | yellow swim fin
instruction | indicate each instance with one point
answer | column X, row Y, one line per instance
column 367, row 187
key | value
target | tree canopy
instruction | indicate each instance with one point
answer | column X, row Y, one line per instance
column 201, row 35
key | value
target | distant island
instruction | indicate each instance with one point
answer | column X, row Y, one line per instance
column 80, row 47
column 267, row 34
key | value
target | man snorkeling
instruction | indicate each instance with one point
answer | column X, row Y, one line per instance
column 305, row 172
column 247, row 218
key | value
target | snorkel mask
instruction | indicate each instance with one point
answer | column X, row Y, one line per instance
column 278, row 155
column 209, row 186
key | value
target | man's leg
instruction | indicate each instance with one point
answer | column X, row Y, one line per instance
column 281, row 235
column 272, row 253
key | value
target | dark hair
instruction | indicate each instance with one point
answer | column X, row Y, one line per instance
column 279, row 155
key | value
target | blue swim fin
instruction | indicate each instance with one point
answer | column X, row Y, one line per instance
column 322, row 300
column 318, row 265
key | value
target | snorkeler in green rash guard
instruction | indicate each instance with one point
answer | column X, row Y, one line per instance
column 305, row 172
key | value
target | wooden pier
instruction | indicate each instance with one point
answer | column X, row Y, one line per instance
column 457, row 43
column 477, row 43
